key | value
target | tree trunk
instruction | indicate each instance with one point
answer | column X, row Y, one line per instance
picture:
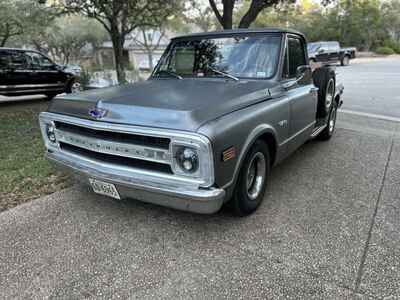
column 3, row 41
column 150, row 55
column 255, row 8
column 118, row 44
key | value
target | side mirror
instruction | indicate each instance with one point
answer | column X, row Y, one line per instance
column 320, row 51
column 303, row 73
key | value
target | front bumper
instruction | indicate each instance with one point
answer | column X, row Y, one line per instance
column 143, row 187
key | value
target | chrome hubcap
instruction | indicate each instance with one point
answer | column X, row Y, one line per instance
column 332, row 120
column 330, row 90
column 256, row 175
column 76, row 87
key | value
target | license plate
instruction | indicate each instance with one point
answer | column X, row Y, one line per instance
column 104, row 188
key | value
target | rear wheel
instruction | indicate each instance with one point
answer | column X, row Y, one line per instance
column 324, row 79
column 345, row 61
column 327, row 133
column 74, row 87
column 250, row 188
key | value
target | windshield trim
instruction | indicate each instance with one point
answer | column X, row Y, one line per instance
column 169, row 48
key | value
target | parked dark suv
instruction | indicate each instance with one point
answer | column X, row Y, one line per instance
column 27, row 72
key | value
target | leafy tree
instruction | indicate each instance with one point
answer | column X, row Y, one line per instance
column 20, row 17
column 121, row 17
column 250, row 15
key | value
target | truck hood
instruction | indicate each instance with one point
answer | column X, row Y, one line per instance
column 166, row 103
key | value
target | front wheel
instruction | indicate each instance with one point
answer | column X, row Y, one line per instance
column 327, row 133
column 250, row 187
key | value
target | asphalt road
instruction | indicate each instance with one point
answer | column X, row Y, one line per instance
column 372, row 85
column 328, row 229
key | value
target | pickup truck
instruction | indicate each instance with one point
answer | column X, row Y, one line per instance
column 218, row 112
column 330, row 53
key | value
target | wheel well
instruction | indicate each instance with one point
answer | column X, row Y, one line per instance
column 269, row 139
column 337, row 99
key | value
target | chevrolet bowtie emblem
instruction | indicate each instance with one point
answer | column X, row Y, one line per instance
column 98, row 112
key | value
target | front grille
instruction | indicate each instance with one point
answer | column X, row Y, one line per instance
column 117, row 160
column 136, row 139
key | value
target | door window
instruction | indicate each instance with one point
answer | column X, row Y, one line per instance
column 294, row 57
column 37, row 61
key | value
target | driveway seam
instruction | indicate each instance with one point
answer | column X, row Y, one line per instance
column 372, row 224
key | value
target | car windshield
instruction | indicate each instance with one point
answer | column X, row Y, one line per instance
column 312, row 47
column 242, row 56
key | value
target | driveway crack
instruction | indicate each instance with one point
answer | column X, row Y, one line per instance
column 372, row 224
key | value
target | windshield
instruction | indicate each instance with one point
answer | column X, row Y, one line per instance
column 313, row 47
column 252, row 56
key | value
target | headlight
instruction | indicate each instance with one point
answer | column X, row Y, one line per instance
column 187, row 159
column 50, row 132
column 192, row 158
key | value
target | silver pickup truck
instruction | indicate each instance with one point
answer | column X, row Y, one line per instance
column 219, row 110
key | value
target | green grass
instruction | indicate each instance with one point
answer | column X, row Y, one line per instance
column 24, row 173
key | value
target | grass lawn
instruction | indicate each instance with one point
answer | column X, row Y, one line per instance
column 24, row 173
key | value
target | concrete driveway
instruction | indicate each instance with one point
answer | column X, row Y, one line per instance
column 328, row 229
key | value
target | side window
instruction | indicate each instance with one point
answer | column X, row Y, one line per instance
column 37, row 61
column 16, row 60
column 4, row 60
column 294, row 57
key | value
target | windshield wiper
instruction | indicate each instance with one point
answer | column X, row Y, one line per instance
column 223, row 73
column 171, row 73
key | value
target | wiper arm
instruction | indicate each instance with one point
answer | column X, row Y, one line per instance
column 169, row 73
column 223, row 73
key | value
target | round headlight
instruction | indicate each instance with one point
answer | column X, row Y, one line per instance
column 187, row 159
column 50, row 133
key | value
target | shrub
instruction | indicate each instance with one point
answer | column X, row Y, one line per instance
column 392, row 44
column 384, row 50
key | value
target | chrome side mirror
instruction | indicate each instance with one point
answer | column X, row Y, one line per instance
column 303, row 76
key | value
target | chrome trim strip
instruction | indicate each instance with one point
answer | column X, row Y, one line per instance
column 167, row 192
column 206, row 178
column 22, row 86
column 114, row 148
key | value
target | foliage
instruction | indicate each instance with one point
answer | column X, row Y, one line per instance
column 357, row 23
column 22, row 17
column 120, row 18
column 250, row 14
column 384, row 50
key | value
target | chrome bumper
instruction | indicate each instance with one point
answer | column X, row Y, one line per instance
column 143, row 187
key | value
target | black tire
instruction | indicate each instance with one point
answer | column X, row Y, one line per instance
column 327, row 133
column 247, row 198
column 50, row 96
column 71, row 87
column 322, row 77
column 345, row 61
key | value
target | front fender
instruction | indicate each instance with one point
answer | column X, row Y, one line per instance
column 239, row 130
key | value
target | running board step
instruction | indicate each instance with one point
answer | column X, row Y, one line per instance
column 318, row 130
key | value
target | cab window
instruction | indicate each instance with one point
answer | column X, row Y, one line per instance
column 37, row 61
column 294, row 57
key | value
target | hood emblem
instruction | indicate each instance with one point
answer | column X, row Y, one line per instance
column 98, row 112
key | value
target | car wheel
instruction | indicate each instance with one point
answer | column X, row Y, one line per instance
column 250, row 187
column 74, row 87
column 324, row 79
column 345, row 61
column 327, row 133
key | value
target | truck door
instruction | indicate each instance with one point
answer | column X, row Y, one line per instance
column 323, row 53
column 302, row 95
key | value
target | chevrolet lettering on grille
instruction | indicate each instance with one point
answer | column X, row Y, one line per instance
column 114, row 148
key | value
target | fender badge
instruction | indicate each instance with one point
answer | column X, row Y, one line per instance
column 98, row 112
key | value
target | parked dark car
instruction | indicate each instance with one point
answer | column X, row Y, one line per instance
column 28, row 72
column 330, row 53
column 219, row 110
